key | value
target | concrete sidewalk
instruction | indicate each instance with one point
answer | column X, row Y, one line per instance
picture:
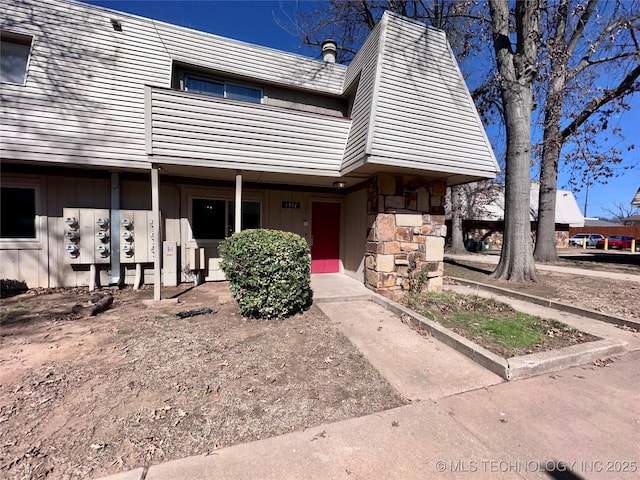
column 469, row 422
column 418, row 368
column 494, row 259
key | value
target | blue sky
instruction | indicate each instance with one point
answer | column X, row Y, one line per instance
column 255, row 22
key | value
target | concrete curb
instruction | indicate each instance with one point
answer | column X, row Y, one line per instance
column 583, row 312
column 478, row 354
column 343, row 298
column 514, row 368
column 545, row 362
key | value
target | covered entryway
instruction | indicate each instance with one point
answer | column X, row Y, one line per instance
column 325, row 233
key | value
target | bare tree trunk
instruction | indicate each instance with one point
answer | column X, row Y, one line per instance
column 100, row 306
column 516, row 70
column 546, row 234
column 457, row 240
column 564, row 46
column 545, row 250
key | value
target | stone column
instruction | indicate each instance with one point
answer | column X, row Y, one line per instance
column 405, row 242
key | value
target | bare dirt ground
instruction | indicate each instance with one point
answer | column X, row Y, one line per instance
column 613, row 297
column 136, row 385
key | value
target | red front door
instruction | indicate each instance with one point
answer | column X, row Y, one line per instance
column 325, row 231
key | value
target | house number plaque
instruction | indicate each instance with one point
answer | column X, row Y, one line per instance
column 290, row 204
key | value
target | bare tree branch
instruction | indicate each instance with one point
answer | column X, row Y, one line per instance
column 620, row 211
column 625, row 86
column 585, row 61
column 582, row 24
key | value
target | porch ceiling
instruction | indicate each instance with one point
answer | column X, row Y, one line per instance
column 261, row 177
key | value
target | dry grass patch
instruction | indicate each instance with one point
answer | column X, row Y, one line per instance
column 495, row 325
column 83, row 398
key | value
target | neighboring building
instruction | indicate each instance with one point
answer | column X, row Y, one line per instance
column 483, row 220
column 636, row 199
column 119, row 132
column 596, row 222
column 631, row 221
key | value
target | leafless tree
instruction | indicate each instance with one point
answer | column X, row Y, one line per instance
column 590, row 54
column 619, row 211
column 468, row 201
column 516, row 71
column 574, row 47
column 349, row 22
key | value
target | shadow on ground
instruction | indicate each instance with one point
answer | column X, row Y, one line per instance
column 611, row 258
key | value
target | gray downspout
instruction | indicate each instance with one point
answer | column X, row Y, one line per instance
column 115, row 229
column 157, row 231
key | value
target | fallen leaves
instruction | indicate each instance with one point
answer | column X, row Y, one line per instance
column 603, row 362
column 195, row 385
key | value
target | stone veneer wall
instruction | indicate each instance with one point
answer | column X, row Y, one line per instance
column 406, row 233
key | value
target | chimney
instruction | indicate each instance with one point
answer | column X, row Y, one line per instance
column 329, row 51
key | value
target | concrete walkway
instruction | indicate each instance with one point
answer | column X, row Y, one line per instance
column 418, row 368
column 469, row 422
column 494, row 259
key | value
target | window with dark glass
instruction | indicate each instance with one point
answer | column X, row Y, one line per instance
column 223, row 89
column 215, row 219
column 14, row 57
column 18, row 213
column 250, row 215
column 246, row 94
column 204, row 86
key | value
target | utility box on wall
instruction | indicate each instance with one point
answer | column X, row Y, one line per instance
column 137, row 236
column 170, row 264
column 87, row 236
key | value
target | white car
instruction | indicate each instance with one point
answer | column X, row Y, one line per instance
column 592, row 238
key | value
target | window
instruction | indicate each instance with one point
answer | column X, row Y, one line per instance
column 18, row 213
column 215, row 219
column 223, row 89
column 14, row 57
column 246, row 94
column 204, row 86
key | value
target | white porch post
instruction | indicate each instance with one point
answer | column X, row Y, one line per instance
column 238, row 210
column 157, row 230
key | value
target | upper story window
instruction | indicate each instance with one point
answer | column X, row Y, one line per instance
column 14, row 57
column 223, row 89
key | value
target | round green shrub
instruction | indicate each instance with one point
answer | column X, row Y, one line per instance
column 269, row 272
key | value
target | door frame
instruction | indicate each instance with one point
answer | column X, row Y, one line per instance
column 340, row 202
